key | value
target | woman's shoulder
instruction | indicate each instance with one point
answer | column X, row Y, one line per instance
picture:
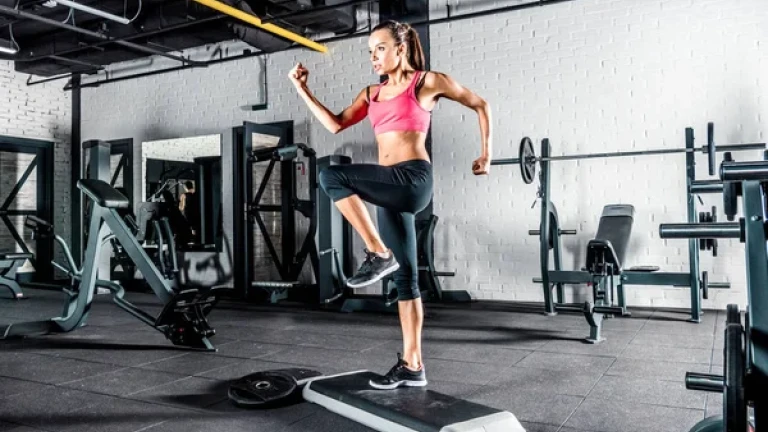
column 369, row 91
column 432, row 76
column 432, row 79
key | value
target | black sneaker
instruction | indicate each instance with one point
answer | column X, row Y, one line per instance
column 373, row 269
column 400, row 376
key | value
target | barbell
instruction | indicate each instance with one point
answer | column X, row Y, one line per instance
column 527, row 158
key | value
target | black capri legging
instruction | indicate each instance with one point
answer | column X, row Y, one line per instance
column 399, row 191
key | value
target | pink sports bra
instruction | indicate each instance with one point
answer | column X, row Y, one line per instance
column 401, row 113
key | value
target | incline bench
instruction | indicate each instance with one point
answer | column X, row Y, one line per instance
column 604, row 270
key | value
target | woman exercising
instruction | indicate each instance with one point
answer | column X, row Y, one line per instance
column 401, row 184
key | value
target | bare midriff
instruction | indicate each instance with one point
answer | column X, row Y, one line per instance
column 401, row 146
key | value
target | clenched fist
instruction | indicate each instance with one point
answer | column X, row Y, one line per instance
column 298, row 75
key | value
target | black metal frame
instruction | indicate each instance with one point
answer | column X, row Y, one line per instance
column 233, row 199
column 124, row 148
column 76, row 171
column 236, row 158
column 256, row 208
column 209, row 189
column 290, row 263
column 44, row 162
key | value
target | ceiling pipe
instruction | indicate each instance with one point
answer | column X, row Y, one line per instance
column 6, row 47
column 126, row 38
column 94, row 11
column 77, row 62
column 136, row 47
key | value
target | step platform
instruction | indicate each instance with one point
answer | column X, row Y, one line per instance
column 406, row 409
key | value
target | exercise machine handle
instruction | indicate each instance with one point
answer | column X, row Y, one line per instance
column 700, row 230
column 704, row 382
column 739, row 171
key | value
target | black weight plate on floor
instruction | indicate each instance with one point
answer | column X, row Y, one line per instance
column 268, row 388
column 261, row 388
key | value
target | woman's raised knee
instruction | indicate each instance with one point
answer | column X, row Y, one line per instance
column 328, row 177
column 332, row 181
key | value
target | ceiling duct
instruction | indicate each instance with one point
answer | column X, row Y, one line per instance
column 47, row 51
column 262, row 40
column 298, row 13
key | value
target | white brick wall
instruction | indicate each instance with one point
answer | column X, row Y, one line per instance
column 39, row 112
column 592, row 75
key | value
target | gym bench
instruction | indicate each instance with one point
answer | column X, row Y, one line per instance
column 604, row 270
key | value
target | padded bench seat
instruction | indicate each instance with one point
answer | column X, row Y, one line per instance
column 103, row 194
column 609, row 246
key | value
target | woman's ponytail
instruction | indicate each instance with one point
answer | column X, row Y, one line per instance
column 403, row 33
column 415, row 52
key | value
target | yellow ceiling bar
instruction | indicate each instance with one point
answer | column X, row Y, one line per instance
column 255, row 21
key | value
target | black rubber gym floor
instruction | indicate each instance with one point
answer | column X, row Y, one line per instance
column 117, row 374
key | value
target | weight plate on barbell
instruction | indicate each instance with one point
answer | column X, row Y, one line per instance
column 527, row 160
column 730, row 200
column 734, row 399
